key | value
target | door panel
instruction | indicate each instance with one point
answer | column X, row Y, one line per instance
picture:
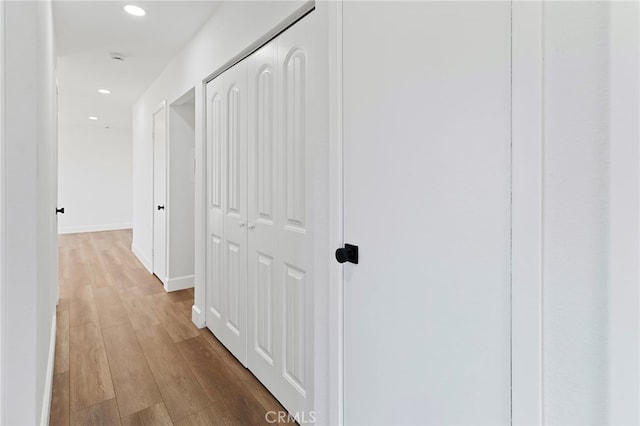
column 280, row 198
column 214, row 144
column 260, row 142
column 235, row 219
column 160, row 194
column 265, row 259
column 227, row 208
column 426, row 198
column 297, row 192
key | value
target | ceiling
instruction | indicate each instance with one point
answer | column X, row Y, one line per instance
column 88, row 31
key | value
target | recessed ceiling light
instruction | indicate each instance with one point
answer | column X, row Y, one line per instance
column 117, row 56
column 134, row 10
column 93, row 117
column 104, row 91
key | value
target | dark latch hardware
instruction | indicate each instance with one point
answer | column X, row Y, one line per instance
column 347, row 254
column 160, row 207
column 60, row 210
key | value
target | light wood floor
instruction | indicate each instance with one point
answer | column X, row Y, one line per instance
column 127, row 352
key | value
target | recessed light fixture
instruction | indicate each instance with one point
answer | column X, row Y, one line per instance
column 104, row 91
column 117, row 56
column 93, row 117
column 134, row 10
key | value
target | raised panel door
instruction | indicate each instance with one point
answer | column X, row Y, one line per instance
column 215, row 139
column 226, row 148
column 234, row 170
column 300, row 139
column 264, row 354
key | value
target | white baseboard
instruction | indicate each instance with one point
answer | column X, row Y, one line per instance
column 142, row 258
column 197, row 317
column 48, row 381
column 179, row 283
column 93, row 228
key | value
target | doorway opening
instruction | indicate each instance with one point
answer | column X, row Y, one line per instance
column 181, row 192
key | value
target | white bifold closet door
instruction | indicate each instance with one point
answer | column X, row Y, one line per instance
column 266, row 179
column 227, row 209
column 281, row 193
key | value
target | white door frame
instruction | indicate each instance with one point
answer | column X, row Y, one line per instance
column 161, row 106
column 528, row 170
column 336, row 214
column 2, row 214
column 526, row 213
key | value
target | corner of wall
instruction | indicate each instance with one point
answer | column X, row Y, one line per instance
column 48, row 384
column 142, row 258
column 179, row 283
column 197, row 317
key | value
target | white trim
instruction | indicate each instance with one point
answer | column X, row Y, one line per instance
column 142, row 258
column 179, row 283
column 167, row 191
column 46, row 395
column 200, row 209
column 624, row 216
column 197, row 317
column 188, row 96
column 94, row 228
column 3, row 278
column 306, row 7
column 162, row 106
column 527, row 219
column 336, row 213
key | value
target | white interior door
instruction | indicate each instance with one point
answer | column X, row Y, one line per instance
column 234, row 258
column 227, row 209
column 264, row 355
column 426, row 199
column 284, row 142
column 214, row 198
column 160, row 194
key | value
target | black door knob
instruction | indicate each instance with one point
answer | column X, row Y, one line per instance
column 160, row 207
column 60, row 210
column 349, row 253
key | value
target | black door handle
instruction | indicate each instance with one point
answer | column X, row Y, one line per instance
column 160, row 207
column 60, row 210
column 347, row 254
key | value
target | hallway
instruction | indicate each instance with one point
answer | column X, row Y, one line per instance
column 127, row 352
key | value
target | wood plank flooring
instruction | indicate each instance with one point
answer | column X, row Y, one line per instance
column 127, row 352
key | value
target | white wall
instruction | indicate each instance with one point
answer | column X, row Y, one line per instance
column 181, row 202
column 589, row 218
column 576, row 169
column 624, row 216
column 580, row 272
column 29, row 262
column 95, row 178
